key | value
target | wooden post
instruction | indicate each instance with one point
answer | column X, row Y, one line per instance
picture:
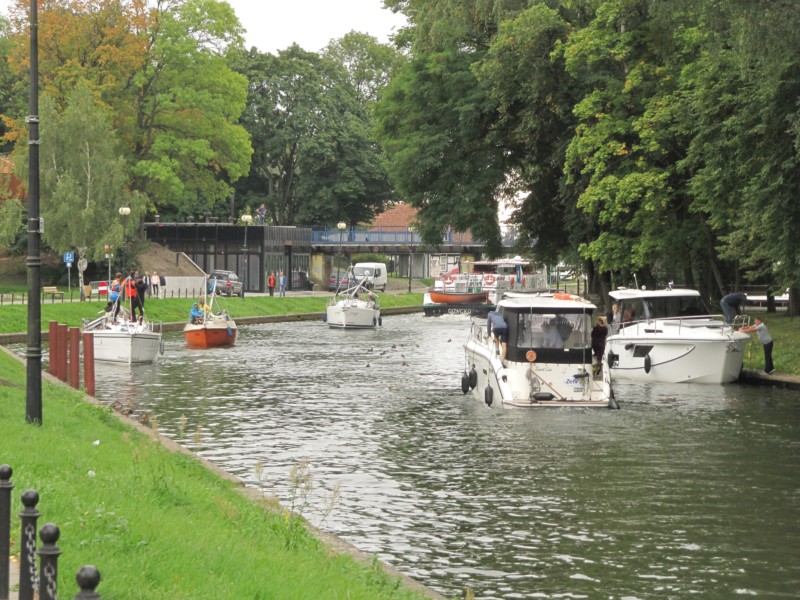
column 88, row 363
column 63, row 334
column 52, row 367
column 75, row 357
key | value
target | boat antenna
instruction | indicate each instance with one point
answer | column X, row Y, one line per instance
column 635, row 281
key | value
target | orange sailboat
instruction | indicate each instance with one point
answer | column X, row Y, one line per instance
column 210, row 330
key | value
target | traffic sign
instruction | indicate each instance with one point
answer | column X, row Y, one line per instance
column 102, row 288
column 69, row 257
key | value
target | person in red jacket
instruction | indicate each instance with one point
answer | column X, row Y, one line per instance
column 271, row 283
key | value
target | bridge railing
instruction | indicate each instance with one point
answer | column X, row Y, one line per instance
column 393, row 235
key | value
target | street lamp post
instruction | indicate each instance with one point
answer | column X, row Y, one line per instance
column 341, row 226
column 124, row 211
column 246, row 219
column 411, row 231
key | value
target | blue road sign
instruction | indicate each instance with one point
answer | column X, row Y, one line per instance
column 69, row 257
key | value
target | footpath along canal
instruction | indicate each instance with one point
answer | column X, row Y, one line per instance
column 688, row 490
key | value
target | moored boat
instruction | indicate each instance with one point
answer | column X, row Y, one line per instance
column 548, row 362
column 458, row 298
column 668, row 336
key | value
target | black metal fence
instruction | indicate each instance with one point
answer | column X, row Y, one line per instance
column 43, row 582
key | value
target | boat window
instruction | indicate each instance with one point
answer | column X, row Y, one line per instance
column 553, row 330
column 641, row 351
column 676, row 306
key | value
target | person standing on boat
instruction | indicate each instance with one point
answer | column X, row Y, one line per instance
column 113, row 295
column 141, row 290
column 496, row 326
column 282, row 284
column 599, row 334
column 731, row 305
column 129, row 285
column 271, row 283
column 765, row 338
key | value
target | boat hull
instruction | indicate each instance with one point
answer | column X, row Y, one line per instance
column 675, row 360
column 126, row 347
column 210, row 335
column 458, row 297
column 349, row 316
column 531, row 385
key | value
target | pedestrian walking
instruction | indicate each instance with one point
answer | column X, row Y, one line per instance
column 282, row 284
column 271, row 283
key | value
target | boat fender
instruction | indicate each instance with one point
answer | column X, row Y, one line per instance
column 473, row 378
column 380, row 321
column 324, row 317
column 374, row 322
column 647, row 363
column 161, row 347
column 612, row 402
column 543, row 396
column 612, row 358
column 230, row 331
column 464, row 382
column 488, row 395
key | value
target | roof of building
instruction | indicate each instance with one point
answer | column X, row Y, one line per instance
column 397, row 215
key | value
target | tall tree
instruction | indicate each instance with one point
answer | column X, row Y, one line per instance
column 315, row 160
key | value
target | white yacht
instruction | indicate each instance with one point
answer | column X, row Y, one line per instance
column 668, row 336
column 357, row 307
column 125, row 340
column 548, row 359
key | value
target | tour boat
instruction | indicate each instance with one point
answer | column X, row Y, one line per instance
column 125, row 340
column 354, row 308
column 548, row 361
column 482, row 286
column 213, row 331
column 668, row 336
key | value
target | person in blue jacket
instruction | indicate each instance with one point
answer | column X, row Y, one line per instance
column 196, row 314
column 496, row 326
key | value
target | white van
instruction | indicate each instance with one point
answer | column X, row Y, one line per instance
column 374, row 272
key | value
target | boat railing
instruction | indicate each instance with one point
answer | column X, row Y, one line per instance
column 688, row 321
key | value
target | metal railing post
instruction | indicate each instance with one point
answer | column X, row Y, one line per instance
column 5, row 528
column 88, row 579
column 48, row 562
column 27, row 559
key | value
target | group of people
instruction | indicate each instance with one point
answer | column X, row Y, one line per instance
column 199, row 313
column 280, row 280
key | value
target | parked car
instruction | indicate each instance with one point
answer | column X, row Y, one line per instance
column 227, row 282
column 342, row 282
column 301, row 282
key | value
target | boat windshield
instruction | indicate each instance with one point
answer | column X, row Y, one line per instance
column 661, row 308
column 553, row 330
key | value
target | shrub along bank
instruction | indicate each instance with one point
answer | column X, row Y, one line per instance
column 158, row 524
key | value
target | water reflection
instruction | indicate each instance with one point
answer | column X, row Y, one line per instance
column 686, row 490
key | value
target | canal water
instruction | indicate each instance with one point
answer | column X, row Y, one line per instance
column 687, row 491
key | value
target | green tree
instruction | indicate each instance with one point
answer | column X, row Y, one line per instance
column 83, row 178
column 315, row 160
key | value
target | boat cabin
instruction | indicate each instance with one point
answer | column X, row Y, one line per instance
column 550, row 332
column 644, row 305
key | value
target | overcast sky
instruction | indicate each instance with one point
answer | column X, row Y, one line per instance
column 274, row 25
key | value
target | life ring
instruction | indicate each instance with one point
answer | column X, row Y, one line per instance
column 488, row 279
column 530, row 355
column 562, row 296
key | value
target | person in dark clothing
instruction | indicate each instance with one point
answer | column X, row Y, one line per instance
column 141, row 291
column 599, row 334
column 732, row 304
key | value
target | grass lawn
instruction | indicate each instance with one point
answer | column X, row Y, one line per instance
column 13, row 317
column 158, row 524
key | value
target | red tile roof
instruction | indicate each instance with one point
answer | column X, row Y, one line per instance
column 398, row 215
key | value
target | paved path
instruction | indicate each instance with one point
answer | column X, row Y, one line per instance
column 13, row 581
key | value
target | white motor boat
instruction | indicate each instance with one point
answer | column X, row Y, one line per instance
column 548, row 360
column 667, row 336
column 122, row 340
column 354, row 308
